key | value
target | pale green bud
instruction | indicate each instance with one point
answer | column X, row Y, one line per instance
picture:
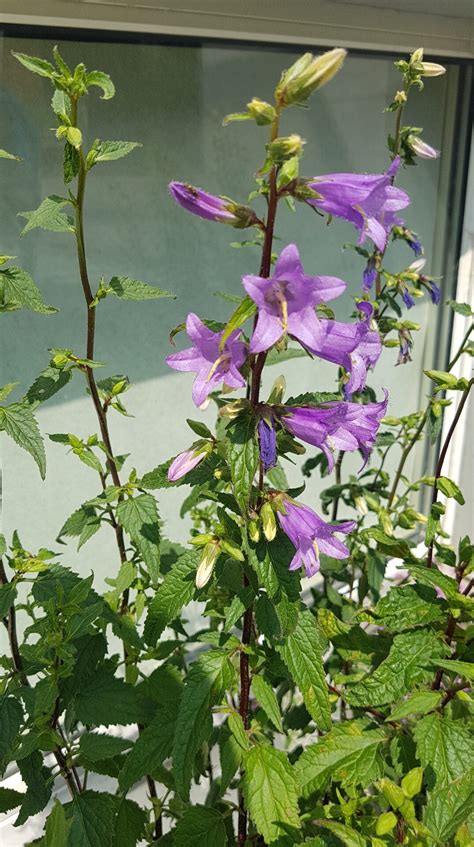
column 254, row 531
column 232, row 549
column 262, row 112
column 385, row 823
column 412, row 782
column 206, row 565
column 361, row 505
column 202, row 539
column 432, row 69
column 268, row 521
column 74, row 136
column 417, row 56
column 285, row 148
column 400, row 97
column 308, row 74
column 392, row 793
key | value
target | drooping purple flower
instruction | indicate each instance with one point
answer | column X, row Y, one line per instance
column 434, row 291
column 414, row 242
column 310, row 534
column 336, row 426
column 406, row 346
column 286, row 301
column 211, row 364
column 210, row 207
column 369, row 201
column 407, row 298
column 189, row 459
column 356, row 347
column 370, row 274
column 267, row 443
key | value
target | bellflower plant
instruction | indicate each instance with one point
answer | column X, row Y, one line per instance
column 324, row 697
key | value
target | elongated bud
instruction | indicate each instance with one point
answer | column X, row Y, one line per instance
column 285, row 148
column 268, row 521
column 186, row 461
column 232, row 549
column 262, row 112
column 416, row 56
column 421, row 148
column 232, row 410
column 308, row 74
column 211, row 207
column 206, row 565
column 412, row 782
column 254, row 531
column 392, row 793
column 74, row 136
column 432, row 69
column 202, row 539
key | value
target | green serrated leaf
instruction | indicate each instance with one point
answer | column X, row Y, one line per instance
column 410, row 661
column 132, row 289
column 176, row 590
column 49, row 216
column 302, row 655
column 418, row 704
column 152, row 747
column 271, row 792
column 103, row 81
column 35, row 65
column 105, row 699
column 206, row 682
column 243, row 457
column 266, row 696
column 450, row 806
column 348, row 754
column 10, row 799
column 57, row 827
column 108, row 151
column 408, row 606
column 17, row 289
column 200, row 826
column 20, row 424
column 91, row 817
column 96, row 746
column 139, row 517
column 450, row 489
column 129, row 824
column 39, row 786
column 7, row 598
column 454, row 666
column 444, row 747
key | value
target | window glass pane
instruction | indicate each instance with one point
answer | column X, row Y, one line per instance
column 173, row 98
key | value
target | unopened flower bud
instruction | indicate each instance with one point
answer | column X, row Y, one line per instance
column 254, row 531
column 421, row 148
column 432, row 69
column 385, row 823
column 206, row 565
column 412, row 782
column 232, row 549
column 392, row 793
column 268, row 521
column 74, row 136
column 285, row 148
column 186, row 461
column 211, row 207
column 361, row 505
column 232, row 410
column 308, row 74
column 262, row 112
column 202, row 539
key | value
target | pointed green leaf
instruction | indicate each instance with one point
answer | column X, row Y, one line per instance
column 176, row 590
column 129, row 824
column 92, row 820
column 108, row 151
column 444, row 747
column 56, row 828
column 418, row 704
column 10, row 799
column 48, row 215
column 20, row 424
column 271, row 792
column 450, row 806
column 5, row 155
column 103, row 81
column 132, row 289
column 139, row 517
column 206, row 681
column 302, row 655
column 200, row 826
column 107, row 700
column 348, row 754
column 411, row 660
column 97, row 745
column 242, row 313
column 243, row 457
column 35, row 65
column 18, row 289
column 152, row 747
column 266, row 696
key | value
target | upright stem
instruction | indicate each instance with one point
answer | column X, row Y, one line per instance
column 337, row 470
column 442, row 457
column 99, row 409
column 256, row 379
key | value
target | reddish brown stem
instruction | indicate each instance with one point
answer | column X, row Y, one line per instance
column 442, row 457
